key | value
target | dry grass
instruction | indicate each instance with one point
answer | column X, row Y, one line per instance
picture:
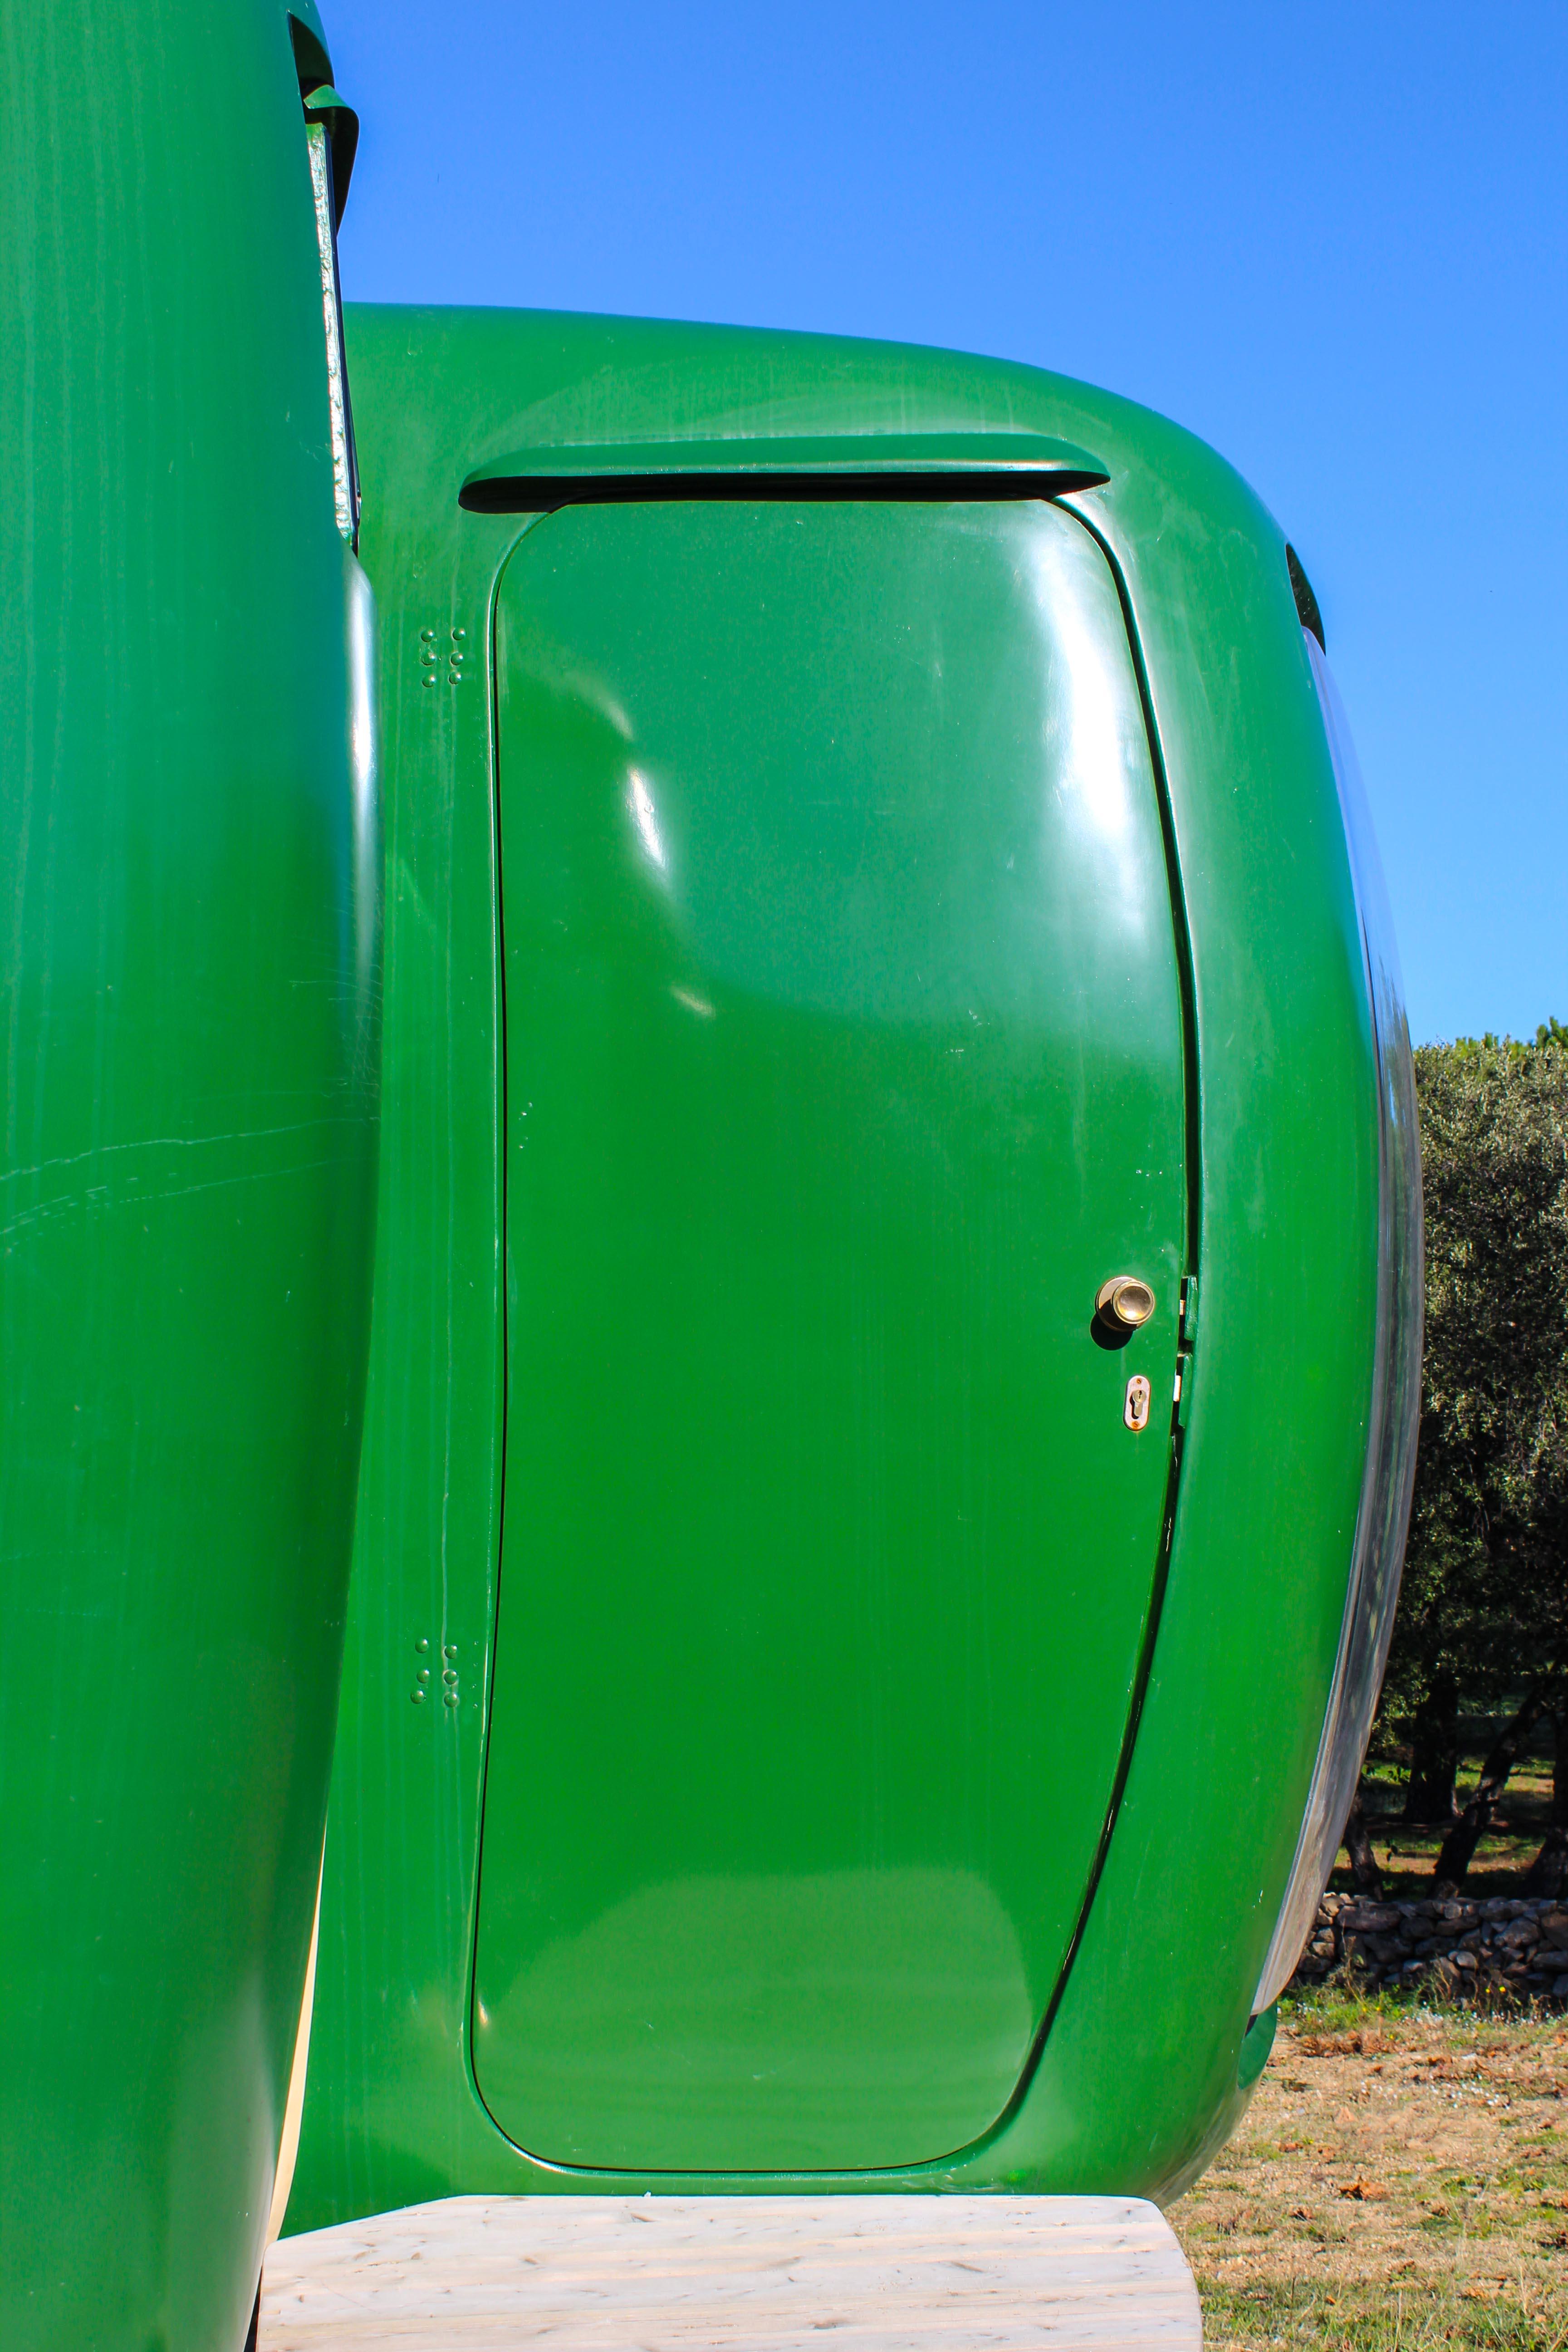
column 1400, row 2179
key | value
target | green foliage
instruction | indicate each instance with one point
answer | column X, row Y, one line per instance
column 1484, row 1608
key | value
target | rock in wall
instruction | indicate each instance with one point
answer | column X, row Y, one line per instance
column 1499, row 1944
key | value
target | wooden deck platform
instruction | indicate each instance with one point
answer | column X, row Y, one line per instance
column 780, row 2274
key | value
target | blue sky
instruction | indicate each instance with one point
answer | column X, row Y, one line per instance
column 1330, row 240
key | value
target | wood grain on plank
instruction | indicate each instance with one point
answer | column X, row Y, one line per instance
column 779, row 2274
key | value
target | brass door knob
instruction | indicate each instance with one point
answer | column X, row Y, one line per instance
column 1124, row 1302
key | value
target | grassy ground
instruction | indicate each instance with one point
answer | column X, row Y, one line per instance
column 1401, row 2179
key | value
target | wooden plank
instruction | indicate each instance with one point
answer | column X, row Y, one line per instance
column 778, row 2274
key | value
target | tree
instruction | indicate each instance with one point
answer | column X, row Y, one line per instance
column 1484, row 1609
column 1549, row 1871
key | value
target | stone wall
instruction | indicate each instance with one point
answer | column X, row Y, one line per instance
column 1498, row 1945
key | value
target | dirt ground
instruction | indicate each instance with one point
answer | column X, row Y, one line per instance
column 1400, row 2178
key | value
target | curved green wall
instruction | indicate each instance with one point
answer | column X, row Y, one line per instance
column 1134, row 2073
column 189, row 890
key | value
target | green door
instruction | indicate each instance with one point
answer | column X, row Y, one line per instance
column 844, row 1064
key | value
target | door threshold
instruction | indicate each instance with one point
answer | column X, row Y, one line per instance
column 780, row 2272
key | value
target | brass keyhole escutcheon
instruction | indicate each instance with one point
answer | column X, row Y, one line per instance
column 1135, row 1411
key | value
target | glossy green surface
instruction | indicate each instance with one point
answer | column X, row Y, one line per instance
column 844, row 1063
column 189, row 960
column 1136, row 2076
column 1254, row 2049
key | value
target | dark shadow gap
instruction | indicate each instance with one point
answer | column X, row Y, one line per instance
column 544, row 493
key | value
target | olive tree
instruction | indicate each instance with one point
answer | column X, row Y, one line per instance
column 1484, row 1609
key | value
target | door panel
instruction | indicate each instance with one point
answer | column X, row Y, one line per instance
column 844, row 1063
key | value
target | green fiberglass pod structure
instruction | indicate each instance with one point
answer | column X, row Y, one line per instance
column 191, row 974
column 897, row 1304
